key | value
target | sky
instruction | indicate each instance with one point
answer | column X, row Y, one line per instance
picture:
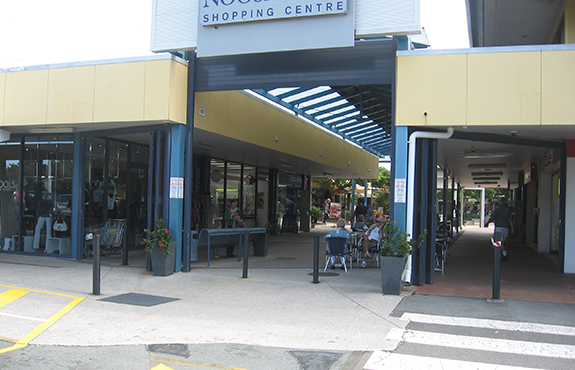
column 37, row 32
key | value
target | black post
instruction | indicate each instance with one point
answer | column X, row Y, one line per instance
column 315, row 258
column 245, row 253
column 96, row 267
column 496, row 268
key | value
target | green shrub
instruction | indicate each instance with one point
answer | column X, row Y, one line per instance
column 317, row 214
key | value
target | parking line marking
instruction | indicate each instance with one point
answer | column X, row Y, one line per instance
column 46, row 324
column 197, row 364
column 22, row 317
column 11, row 295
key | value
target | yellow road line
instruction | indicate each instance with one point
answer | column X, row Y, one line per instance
column 161, row 367
column 11, row 295
column 45, row 325
column 182, row 362
column 38, row 291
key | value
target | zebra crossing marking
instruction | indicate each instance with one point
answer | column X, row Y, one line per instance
column 485, row 344
column 393, row 361
column 490, row 324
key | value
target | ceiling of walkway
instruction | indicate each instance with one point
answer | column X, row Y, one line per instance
column 513, row 22
column 360, row 114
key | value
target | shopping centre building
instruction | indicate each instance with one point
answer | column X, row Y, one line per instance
column 214, row 118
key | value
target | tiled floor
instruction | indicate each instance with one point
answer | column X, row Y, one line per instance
column 525, row 276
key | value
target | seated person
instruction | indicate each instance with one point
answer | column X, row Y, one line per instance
column 236, row 219
column 339, row 232
column 371, row 238
column 360, row 224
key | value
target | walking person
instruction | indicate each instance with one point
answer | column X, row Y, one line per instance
column 503, row 225
column 326, row 210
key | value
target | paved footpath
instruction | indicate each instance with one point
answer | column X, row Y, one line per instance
column 211, row 318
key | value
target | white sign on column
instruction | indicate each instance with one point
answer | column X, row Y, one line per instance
column 400, row 190
column 176, row 188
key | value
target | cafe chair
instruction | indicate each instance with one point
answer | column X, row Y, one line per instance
column 337, row 247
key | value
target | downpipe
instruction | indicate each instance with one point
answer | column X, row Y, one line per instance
column 411, row 186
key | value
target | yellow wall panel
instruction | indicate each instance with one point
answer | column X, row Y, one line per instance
column 570, row 24
column 156, row 99
column 435, row 84
column 178, row 92
column 71, row 95
column 237, row 115
column 558, row 87
column 504, row 88
column 2, row 101
column 25, row 100
column 119, row 92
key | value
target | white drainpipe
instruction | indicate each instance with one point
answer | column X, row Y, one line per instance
column 410, row 184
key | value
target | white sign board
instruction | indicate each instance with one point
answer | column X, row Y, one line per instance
column 399, row 191
column 296, row 32
column 214, row 12
column 176, row 188
column 228, row 27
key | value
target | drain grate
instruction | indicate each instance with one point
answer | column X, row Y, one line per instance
column 137, row 299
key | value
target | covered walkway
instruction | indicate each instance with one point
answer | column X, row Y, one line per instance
column 525, row 276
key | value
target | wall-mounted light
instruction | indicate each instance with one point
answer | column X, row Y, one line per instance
column 487, row 166
column 51, row 130
column 320, row 153
column 277, row 138
column 473, row 154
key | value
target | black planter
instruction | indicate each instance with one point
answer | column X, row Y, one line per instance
column 391, row 272
column 163, row 266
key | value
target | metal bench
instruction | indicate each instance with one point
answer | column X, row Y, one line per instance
column 218, row 238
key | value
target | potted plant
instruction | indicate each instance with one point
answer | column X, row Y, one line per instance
column 159, row 245
column 395, row 247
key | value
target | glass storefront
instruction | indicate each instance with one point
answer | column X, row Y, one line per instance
column 36, row 181
column 233, row 187
column 39, row 169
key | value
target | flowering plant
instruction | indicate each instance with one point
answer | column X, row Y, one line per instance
column 394, row 242
column 161, row 237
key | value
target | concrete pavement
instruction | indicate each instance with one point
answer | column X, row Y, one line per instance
column 276, row 318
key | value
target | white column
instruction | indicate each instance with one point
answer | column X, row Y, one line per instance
column 544, row 227
column 482, row 212
column 570, row 217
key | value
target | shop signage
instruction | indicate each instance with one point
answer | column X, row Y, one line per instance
column 290, row 179
column 214, row 12
column 233, row 27
column 6, row 185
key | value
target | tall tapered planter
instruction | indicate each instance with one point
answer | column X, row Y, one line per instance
column 391, row 271
column 163, row 266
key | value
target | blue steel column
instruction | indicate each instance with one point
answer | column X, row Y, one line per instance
column 78, row 198
column 176, row 205
column 352, row 200
column 399, row 150
column 189, row 160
